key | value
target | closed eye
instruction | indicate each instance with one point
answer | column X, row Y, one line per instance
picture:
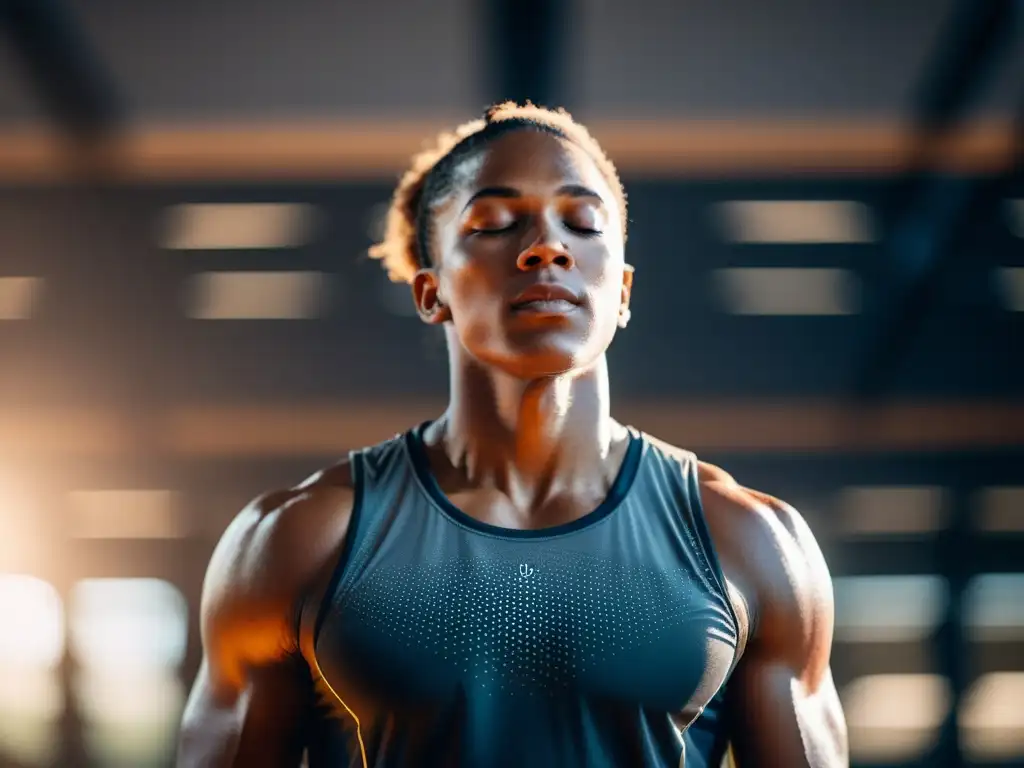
column 584, row 231
column 491, row 231
column 494, row 231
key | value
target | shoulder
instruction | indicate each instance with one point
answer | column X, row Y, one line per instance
column 734, row 512
column 773, row 554
column 273, row 552
column 769, row 556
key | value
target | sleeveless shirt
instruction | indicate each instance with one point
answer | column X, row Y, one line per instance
column 445, row 641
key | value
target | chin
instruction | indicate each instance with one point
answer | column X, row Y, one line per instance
column 544, row 367
column 544, row 358
column 533, row 353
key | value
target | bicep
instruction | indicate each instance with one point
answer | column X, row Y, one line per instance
column 778, row 720
column 783, row 701
column 257, row 724
column 246, row 703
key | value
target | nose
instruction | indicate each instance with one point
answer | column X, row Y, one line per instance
column 545, row 254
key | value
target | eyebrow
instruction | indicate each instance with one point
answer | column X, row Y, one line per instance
column 566, row 190
column 506, row 192
column 577, row 190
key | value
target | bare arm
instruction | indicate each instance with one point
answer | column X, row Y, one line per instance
column 247, row 705
column 784, row 709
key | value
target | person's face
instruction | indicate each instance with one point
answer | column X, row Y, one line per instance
column 530, row 270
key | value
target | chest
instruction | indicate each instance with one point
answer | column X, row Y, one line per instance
column 536, row 622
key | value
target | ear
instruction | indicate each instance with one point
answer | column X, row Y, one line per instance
column 425, row 293
column 627, row 293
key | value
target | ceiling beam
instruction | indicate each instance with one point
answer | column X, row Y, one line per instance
column 68, row 75
column 526, row 54
column 380, row 149
column 931, row 213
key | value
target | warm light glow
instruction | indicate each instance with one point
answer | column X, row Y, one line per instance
column 130, row 719
column 1000, row 509
column 992, row 717
column 135, row 514
column 126, row 625
column 129, row 699
column 28, row 691
column 33, row 630
column 29, row 741
column 220, row 226
column 257, row 296
column 21, row 541
column 787, row 291
column 892, row 510
column 795, row 221
column 31, row 704
column 893, row 718
column 19, row 297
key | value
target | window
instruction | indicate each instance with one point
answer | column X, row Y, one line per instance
column 1000, row 510
column 892, row 510
column 34, row 622
column 132, row 719
column 787, row 291
column 889, row 608
column 128, row 624
column 795, row 221
column 257, row 296
column 995, row 607
column 893, row 718
column 31, row 704
column 220, row 226
column 992, row 719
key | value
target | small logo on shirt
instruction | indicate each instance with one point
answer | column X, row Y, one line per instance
column 525, row 570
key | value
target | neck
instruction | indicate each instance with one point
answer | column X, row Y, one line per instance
column 516, row 432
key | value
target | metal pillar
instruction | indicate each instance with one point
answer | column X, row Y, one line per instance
column 526, row 54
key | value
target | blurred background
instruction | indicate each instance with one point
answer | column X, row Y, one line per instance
column 827, row 220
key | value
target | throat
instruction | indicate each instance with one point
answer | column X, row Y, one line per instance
column 535, row 448
column 492, row 486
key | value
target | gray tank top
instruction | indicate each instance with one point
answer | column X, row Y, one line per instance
column 445, row 641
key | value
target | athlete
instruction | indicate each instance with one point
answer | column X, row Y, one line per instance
column 522, row 581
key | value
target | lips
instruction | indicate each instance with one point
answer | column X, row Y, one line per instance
column 545, row 293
